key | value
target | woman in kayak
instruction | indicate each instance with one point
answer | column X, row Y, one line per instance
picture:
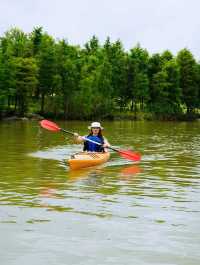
column 94, row 135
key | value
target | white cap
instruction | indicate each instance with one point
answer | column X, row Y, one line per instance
column 95, row 125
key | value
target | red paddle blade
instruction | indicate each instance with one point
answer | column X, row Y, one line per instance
column 130, row 155
column 49, row 125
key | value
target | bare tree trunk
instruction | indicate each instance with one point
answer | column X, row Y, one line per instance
column 42, row 103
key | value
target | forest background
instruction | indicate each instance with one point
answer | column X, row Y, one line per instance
column 50, row 77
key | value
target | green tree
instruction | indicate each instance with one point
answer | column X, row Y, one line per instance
column 198, row 85
column 3, row 92
column 67, row 74
column 92, row 46
column 138, row 77
column 36, row 38
column 16, row 43
column 115, row 55
column 103, row 102
column 25, row 73
column 188, row 79
column 166, row 88
column 154, row 67
column 46, row 64
column 166, row 56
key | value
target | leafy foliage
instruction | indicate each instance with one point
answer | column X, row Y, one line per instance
column 95, row 81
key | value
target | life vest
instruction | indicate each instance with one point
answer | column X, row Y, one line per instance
column 92, row 147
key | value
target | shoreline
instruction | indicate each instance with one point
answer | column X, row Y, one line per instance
column 123, row 116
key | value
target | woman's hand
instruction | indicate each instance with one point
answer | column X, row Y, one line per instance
column 78, row 138
column 106, row 145
column 76, row 135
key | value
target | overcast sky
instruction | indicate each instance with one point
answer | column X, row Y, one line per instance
column 156, row 24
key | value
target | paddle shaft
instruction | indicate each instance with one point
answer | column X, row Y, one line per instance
column 63, row 130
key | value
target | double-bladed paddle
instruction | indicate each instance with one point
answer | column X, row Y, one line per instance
column 128, row 154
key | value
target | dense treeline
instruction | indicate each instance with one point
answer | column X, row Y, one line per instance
column 42, row 75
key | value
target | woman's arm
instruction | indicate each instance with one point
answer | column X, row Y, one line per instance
column 106, row 143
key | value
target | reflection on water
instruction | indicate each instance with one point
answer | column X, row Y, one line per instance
column 116, row 213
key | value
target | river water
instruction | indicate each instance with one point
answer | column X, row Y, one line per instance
column 120, row 213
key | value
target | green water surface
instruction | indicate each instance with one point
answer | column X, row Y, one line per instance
column 119, row 213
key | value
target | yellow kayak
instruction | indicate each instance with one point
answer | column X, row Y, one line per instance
column 88, row 159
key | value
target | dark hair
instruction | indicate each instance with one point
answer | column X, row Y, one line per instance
column 99, row 134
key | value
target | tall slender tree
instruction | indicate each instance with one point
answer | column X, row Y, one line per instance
column 188, row 79
column 138, row 77
column 46, row 64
